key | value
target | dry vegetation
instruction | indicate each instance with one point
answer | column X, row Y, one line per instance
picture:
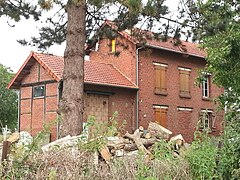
column 72, row 163
column 97, row 158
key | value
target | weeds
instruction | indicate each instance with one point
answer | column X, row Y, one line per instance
column 202, row 157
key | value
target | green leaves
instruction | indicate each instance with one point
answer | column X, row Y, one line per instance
column 15, row 9
column 202, row 158
column 219, row 30
column 8, row 100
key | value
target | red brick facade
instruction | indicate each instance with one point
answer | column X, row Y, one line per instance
column 178, row 121
column 182, row 113
column 35, row 112
column 125, row 61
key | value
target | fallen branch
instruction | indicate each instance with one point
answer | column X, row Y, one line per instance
column 136, row 138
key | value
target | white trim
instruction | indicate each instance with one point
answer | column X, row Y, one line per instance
column 184, row 109
column 184, row 69
column 160, row 107
column 86, row 57
column 205, row 87
column 206, row 73
column 168, row 49
column 207, row 110
column 160, row 64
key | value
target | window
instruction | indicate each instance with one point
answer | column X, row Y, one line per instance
column 205, row 87
column 161, row 115
column 113, row 45
column 38, row 91
column 206, row 120
column 184, row 82
column 160, row 78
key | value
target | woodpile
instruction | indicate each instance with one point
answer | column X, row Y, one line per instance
column 141, row 140
column 128, row 144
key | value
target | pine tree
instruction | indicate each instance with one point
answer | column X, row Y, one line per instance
column 74, row 21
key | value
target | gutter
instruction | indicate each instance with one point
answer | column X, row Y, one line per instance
column 111, row 85
column 137, row 82
column 167, row 49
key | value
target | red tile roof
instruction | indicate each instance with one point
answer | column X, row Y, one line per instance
column 185, row 47
column 94, row 72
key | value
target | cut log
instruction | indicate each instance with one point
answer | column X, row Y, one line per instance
column 141, row 128
column 174, row 138
column 158, row 131
column 14, row 137
column 147, row 135
column 146, row 143
column 136, row 138
column 104, row 151
column 178, row 141
column 5, row 150
column 65, row 141
column 118, row 143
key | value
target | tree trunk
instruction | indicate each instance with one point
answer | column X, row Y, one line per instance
column 71, row 105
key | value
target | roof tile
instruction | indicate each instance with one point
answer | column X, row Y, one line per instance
column 94, row 72
column 185, row 47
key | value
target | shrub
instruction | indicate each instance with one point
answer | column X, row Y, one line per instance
column 202, row 157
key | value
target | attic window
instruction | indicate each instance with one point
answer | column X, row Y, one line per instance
column 38, row 91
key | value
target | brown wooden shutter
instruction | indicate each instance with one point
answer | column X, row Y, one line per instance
column 160, row 79
column 161, row 116
column 184, row 83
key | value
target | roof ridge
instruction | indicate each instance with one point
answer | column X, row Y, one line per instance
column 190, row 45
column 48, row 54
column 123, row 75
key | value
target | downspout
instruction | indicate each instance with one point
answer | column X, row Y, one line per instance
column 137, row 83
column 59, row 96
column 19, row 108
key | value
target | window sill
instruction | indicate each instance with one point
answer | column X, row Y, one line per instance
column 208, row 130
column 187, row 96
column 40, row 97
column 161, row 93
column 205, row 98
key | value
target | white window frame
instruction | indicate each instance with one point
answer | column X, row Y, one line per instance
column 208, row 113
column 205, row 87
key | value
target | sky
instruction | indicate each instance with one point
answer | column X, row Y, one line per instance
column 13, row 54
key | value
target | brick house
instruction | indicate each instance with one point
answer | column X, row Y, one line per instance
column 154, row 82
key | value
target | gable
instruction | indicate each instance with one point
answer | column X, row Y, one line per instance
column 36, row 73
column 41, row 67
column 148, row 39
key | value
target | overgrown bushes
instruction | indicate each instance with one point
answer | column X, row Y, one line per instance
column 207, row 158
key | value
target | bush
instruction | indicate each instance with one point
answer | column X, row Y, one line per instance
column 202, row 157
